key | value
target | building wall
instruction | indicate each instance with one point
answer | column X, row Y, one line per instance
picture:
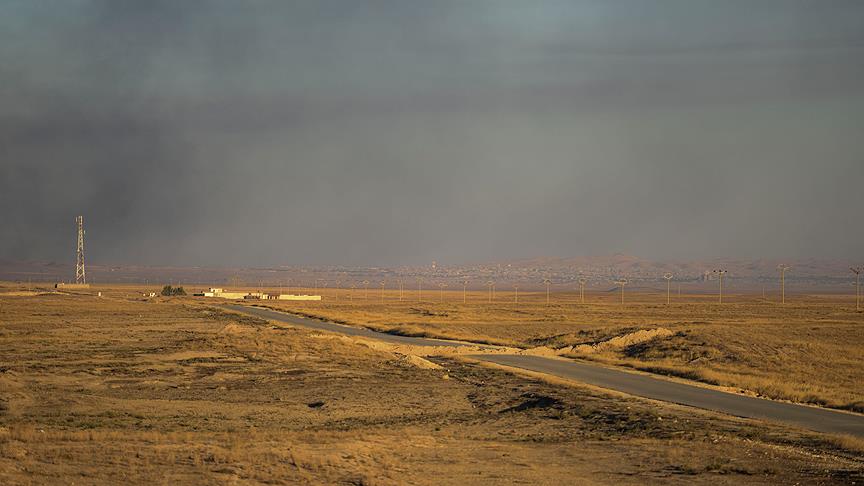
column 299, row 297
column 231, row 295
column 257, row 295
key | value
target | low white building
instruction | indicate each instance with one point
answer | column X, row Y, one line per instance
column 221, row 293
column 298, row 297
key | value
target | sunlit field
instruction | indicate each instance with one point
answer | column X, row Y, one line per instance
column 810, row 349
column 122, row 388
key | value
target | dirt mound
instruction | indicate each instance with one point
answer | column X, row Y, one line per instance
column 421, row 363
column 623, row 341
column 234, row 328
column 546, row 351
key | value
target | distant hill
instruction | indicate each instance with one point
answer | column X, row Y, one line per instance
column 530, row 273
column 740, row 268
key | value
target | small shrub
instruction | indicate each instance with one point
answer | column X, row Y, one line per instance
column 169, row 290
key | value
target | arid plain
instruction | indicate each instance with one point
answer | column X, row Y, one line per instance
column 808, row 350
column 99, row 390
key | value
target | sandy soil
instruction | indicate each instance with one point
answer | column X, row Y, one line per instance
column 99, row 391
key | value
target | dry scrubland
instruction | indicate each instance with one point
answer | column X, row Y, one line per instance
column 116, row 389
column 810, row 350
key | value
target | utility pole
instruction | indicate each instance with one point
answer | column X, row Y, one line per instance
column 857, row 271
column 400, row 290
column 582, row 283
column 365, row 290
column 516, row 297
column 382, row 291
column 464, row 291
column 548, row 283
column 720, row 274
column 491, row 286
column 622, row 283
column 783, row 269
column 668, row 277
column 80, row 276
column 338, row 288
column 442, row 286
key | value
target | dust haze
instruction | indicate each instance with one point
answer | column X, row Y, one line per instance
column 387, row 133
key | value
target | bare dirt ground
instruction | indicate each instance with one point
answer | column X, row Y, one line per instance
column 120, row 389
column 810, row 350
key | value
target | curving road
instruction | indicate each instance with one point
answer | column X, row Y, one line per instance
column 818, row 419
column 343, row 329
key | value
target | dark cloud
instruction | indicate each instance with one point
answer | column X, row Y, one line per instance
column 218, row 132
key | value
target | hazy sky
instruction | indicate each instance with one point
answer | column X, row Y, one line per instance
column 395, row 132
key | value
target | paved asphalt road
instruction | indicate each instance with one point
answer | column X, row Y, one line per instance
column 342, row 329
column 812, row 418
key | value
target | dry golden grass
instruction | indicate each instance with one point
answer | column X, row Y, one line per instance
column 121, row 390
column 810, row 350
column 849, row 443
